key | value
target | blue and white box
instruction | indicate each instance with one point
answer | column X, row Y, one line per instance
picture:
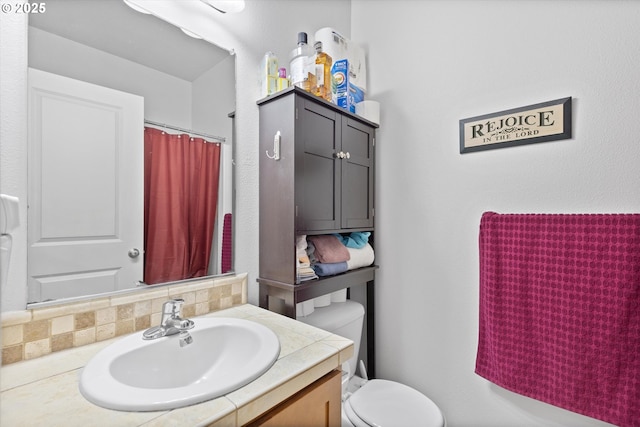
column 344, row 93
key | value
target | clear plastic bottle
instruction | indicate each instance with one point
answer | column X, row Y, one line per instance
column 269, row 74
column 323, row 73
column 283, row 81
column 299, row 67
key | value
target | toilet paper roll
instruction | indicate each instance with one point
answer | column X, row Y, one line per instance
column 305, row 308
column 339, row 296
column 322, row 301
column 370, row 110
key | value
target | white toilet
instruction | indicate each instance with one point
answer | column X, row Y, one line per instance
column 378, row 403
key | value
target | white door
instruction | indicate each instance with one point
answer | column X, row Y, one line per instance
column 85, row 213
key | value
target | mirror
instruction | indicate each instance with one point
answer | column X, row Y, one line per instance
column 188, row 86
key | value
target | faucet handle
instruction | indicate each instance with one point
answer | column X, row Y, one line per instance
column 173, row 307
column 171, row 322
column 177, row 301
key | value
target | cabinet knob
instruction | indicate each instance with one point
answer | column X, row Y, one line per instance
column 342, row 155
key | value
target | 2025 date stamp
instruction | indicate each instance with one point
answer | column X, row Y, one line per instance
column 23, row 7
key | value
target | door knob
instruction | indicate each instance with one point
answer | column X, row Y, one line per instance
column 133, row 253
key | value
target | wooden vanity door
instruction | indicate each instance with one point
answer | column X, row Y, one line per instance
column 318, row 405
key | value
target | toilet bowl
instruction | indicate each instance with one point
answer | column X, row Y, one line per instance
column 368, row 403
column 388, row 403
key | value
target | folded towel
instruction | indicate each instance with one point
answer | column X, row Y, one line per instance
column 303, row 264
column 362, row 257
column 304, row 260
column 329, row 269
column 301, row 250
column 328, row 249
column 311, row 252
column 355, row 240
column 305, row 272
column 559, row 310
column 301, row 245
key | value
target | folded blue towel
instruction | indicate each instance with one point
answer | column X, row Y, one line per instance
column 329, row 269
column 356, row 240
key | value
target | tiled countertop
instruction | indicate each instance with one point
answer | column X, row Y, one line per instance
column 44, row 391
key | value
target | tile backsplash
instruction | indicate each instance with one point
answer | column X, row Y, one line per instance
column 37, row 332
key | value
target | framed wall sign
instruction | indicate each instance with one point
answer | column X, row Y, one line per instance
column 547, row 121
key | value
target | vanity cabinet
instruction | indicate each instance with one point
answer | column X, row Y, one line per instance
column 317, row 176
column 316, row 405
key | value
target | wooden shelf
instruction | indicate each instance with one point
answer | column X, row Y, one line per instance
column 317, row 287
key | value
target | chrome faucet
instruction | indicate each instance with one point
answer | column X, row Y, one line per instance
column 171, row 323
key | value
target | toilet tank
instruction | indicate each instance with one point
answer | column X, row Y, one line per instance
column 340, row 318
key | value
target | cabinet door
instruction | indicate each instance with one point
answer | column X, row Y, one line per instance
column 317, row 405
column 318, row 174
column 357, row 174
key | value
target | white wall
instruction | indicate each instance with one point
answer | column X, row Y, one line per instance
column 440, row 61
column 213, row 98
column 167, row 99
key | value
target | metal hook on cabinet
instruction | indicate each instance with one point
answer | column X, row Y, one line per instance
column 276, row 147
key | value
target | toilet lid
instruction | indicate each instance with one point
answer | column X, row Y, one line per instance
column 383, row 403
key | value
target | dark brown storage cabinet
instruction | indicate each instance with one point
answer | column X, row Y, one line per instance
column 322, row 183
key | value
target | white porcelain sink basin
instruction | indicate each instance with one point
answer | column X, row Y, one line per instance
column 133, row 374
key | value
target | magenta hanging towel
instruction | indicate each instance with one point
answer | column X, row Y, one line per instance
column 227, row 244
column 560, row 310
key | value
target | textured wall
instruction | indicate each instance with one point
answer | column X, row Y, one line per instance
column 13, row 153
column 437, row 62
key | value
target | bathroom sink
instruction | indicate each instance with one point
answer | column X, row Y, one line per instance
column 133, row 374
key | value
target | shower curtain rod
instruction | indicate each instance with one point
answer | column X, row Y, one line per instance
column 221, row 139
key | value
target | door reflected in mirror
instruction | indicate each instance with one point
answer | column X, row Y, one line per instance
column 83, row 165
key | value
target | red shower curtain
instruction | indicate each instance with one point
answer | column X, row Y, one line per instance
column 181, row 176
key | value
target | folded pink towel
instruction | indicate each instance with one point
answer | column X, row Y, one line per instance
column 560, row 310
column 329, row 249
